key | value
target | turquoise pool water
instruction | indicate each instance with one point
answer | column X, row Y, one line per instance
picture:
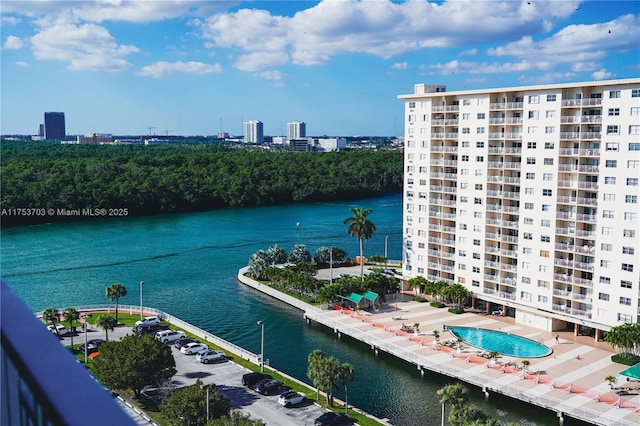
column 504, row 343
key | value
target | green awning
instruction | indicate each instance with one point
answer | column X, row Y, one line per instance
column 370, row 295
column 633, row 372
column 354, row 297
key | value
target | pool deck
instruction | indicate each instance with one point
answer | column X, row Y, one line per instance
column 570, row 380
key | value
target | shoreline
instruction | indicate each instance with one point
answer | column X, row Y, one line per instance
column 571, row 391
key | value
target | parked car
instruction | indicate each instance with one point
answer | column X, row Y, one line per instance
column 267, row 386
column 193, row 348
column 61, row 329
column 250, row 379
column 330, row 418
column 169, row 336
column 92, row 346
column 290, row 398
column 150, row 328
column 148, row 321
column 209, row 355
column 185, row 341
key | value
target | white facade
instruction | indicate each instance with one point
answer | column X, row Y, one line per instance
column 296, row 130
column 528, row 197
column 95, row 139
column 253, row 132
column 331, row 144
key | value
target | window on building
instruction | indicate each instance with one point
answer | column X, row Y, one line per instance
column 477, row 215
column 545, row 238
column 475, row 283
column 631, row 199
column 531, row 130
column 478, row 172
column 607, row 214
column 625, row 284
column 614, row 112
column 611, row 146
column 611, row 163
column 613, row 129
column 606, row 247
column 626, row 318
column 549, row 130
column 533, row 114
column 476, row 255
column 633, row 164
column 605, row 264
column 528, row 236
column 476, row 242
column 609, row 180
column 609, row 197
column 478, row 187
column 480, row 130
column 547, row 176
column 480, row 116
column 635, row 111
column 412, row 104
column 525, row 265
column 465, row 116
column 630, row 215
column 479, row 158
column 627, row 267
column 533, row 99
column 634, row 129
column 465, row 144
column 464, row 172
column 530, row 176
column 625, row 301
column 526, row 280
column 632, row 181
column 531, row 145
column 603, row 296
column 527, row 250
column 462, row 266
column 545, row 223
column 546, row 207
column 607, row 230
column 479, row 144
column 466, row 130
column 547, row 192
column 634, row 146
column 528, row 206
column 528, row 191
column 629, row 233
column 550, row 114
column 464, row 158
column 528, row 221
column 476, row 270
column 462, row 240
column 542, row 299
column 548, row 161
column 635, row 93
column 605, row 280
column 628, row 250
column 466, row 102
column 544, row 253
column 477, row 200
column 462, row 253
column 543, row 268
column 531, row 160
column 477, row 228
column 614, row 94
column 551, row 98
column 549, row 145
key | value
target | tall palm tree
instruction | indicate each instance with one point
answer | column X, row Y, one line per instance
column 314, row 371
column 345, row 375
column 51, row 315
column 361, row 227
column 70, row 315
column 455, row 394
column 115, row 292
column 107, row 323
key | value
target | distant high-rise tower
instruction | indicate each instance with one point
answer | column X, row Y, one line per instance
column 296, row 130
column 253, row 132
column 41, row 130
column 54, row 126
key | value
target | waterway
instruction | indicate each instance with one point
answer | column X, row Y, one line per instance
column 189, row 264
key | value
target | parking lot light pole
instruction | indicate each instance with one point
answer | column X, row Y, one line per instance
column 261, row 324
column 141, row 284
column 386, row 239
column 86, row 353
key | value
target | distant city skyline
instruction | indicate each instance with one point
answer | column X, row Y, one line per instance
column 205, row 67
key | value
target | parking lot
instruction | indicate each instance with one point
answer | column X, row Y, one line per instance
column 226, row 375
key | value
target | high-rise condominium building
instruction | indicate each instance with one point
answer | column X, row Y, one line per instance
column 528, row 197
column 296, row 130
column 253, row 132
column 54, row 126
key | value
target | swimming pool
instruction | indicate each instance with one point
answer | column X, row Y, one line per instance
column 499, row 341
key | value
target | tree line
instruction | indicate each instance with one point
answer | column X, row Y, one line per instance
column 148, row 180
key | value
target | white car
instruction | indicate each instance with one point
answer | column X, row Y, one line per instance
column 193, row 348
column 289, row 398
column 59, row 329
column 169, row 336
column 147, row 321
column 210, row 355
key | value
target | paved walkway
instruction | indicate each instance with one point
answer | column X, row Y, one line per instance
column 569, row 380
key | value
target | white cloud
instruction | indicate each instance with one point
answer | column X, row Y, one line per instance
column 400, row 66
column 87, row 47
column 161, row 68
column 13, row 43
column 271, row 75
column 602, row 74
column 256, row 61
column 469, row 52
column 380, row 27
column 22, row 64
column 9, row 20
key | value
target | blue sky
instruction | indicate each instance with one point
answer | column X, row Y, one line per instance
column 200, row 67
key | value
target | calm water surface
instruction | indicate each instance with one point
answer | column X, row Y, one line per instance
column 189, row 263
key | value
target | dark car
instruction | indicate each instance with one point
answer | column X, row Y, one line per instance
column 92, row 346
column 250, row 379
column 330, row 418
column 150, row 328
column 185, row 341
column 267, row 386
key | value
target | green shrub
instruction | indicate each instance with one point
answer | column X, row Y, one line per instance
column 419, row 299
column 437, row 304
column 626, row 359
column 456, row 310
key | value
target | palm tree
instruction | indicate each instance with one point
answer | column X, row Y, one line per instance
column 314, row 371
column 345, row 375
column 107, row 323
column 71, row 315
column 51, row 315
column 611, row 380
column 418, row 283
column 115, row 292
column 361, row 227
column 455, row 394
